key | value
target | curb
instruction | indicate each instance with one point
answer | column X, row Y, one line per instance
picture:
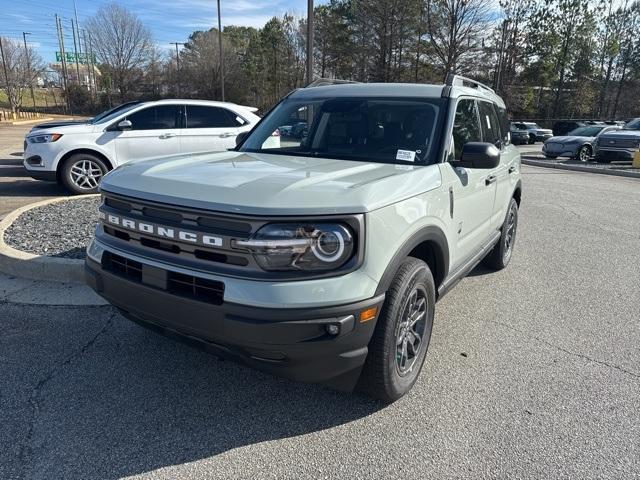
column 38, row 267
column 579, row 168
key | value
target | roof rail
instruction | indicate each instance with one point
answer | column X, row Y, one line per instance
column 453, row 79
column 323, row 82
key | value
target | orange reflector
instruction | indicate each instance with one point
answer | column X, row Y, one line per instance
column 368, row 314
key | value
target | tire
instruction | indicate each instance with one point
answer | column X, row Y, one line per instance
column 390, row 371
column 551, row 157
column 584, row 153
column 81, row 173
column 532, row 139
column 499, row 257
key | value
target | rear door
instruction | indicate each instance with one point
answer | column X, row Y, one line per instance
column 472, row 192
column 154, row 133
column 209, row 129
column 492, row 133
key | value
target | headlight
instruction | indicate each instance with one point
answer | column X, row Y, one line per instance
column 312, row 247
column 45, row 138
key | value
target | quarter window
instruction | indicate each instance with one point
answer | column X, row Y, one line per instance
column 465, row 126
column 199, row 116
column 161, row 117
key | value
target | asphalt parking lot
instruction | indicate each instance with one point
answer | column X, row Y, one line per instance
column 532, row 372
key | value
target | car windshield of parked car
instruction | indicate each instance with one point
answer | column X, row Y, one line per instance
column 116, row 113
column 104, row 114
column 633, row 125
column 383, row 130
column 585, row 132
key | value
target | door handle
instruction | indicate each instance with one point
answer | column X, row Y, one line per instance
column 512, row 169
column 227, row 135
column 490, row 179
column 167, row 135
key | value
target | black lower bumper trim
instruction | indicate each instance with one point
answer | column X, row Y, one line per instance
column 46, row 175
column 291, row 342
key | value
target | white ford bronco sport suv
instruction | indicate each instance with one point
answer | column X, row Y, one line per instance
column 321, row 259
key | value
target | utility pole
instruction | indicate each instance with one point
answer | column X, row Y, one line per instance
column 177, row 67
column 505, row 22
column 26, row 52
column 75, row 51
column 64, row 61
column 93, row 65
column 75, row 12
column 309, row 41
column 92, row 79
column 221, row 53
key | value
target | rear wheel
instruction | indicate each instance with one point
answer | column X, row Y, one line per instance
column 401, row 338
column 532, row 139
column 82, row 172
column 499, row 257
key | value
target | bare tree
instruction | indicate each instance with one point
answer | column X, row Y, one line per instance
column 122, row 43
column 16, row 74
column 454, row 28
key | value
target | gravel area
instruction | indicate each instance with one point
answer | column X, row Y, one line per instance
column 58, row 230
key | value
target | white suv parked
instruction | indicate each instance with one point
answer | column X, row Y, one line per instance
column 78, row 155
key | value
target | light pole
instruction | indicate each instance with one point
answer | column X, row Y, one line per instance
column 221, row 53
column 26, row 52
column 309, row 41
column 177, row 67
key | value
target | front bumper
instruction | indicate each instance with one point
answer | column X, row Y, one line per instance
column 614, row 155
column 560, row 150
column 291, row 342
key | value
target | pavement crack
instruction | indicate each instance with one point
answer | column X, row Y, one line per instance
column 568, row 352
column 34, row 398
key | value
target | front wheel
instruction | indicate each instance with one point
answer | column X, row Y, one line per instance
column 584, row 153
column 82, row 172
column 399, row 344
column 499, row 257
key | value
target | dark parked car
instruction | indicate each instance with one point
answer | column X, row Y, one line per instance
column 518, row 136
column 620, row 145
column 578, row 144
column 563, row 127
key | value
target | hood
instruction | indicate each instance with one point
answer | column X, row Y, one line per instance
column 626, row 134
column 61, row 123
column 570, row 139
column 270, row 184
column 64, row 129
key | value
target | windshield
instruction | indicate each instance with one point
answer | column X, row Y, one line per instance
column 585, row 131
column 113, row 113
column 633, row 125
column 384, row 130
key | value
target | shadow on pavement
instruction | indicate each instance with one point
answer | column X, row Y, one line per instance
column 129, row 401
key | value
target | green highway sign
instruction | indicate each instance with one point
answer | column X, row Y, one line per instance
column 70, row 57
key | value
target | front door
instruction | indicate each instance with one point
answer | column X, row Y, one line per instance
column 472, row 191
column 154, row 133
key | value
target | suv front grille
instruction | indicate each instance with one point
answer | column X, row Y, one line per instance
column 187, row 286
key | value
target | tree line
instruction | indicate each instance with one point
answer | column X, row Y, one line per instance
column 547, row 58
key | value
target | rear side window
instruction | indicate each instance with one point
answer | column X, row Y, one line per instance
column 465, row 127
column 199, row 116
column 155, row 118
column 489, row 123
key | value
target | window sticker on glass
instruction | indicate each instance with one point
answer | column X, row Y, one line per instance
column 406, row 155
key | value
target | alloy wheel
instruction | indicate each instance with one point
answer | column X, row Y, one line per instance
column 410, row 331
column 85, row 174
column 510, row 234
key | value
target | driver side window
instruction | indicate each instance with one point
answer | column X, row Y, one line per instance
column 466, row 127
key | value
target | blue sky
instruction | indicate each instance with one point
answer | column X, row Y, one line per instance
column 169, row 21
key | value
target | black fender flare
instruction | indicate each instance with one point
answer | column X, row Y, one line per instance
column 430, row 233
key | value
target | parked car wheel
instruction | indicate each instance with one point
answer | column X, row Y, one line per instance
column 82, row 172
column 401, row 338
column 532, row 139
column 500, row 256
column 584, row 153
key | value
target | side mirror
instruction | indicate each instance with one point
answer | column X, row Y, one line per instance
column 479, row 155
column 241, row 137
column 125, row 125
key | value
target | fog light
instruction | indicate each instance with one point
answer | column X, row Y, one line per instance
column 95, row 251
column 333, row 329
